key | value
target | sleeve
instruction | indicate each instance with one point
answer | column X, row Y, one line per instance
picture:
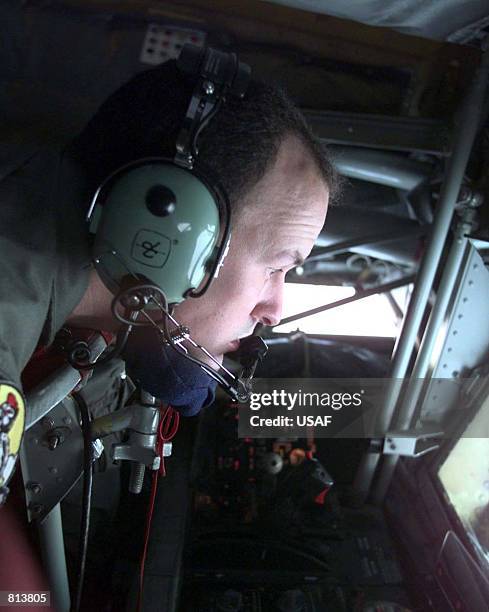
column 27, row 260
column 27, row 248
column 44, row 272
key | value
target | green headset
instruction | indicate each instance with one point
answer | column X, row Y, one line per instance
column 166, row 221
column 162, row 228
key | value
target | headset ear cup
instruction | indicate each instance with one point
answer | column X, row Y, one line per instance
column 158, row 221
column 215, row 261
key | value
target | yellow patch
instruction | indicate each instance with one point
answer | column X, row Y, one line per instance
column 12, row 419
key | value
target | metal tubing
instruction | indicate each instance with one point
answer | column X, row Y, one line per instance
column 407, row 409
column 437, row 316
column 467, row 123
column 110, row 423
column 381, row 132
column 53, row 554
column 391, row 169
column 50, row 393
column 346, row 245
column 369, row 222
column 354, row 298
column 57, row 386
column 394, row 305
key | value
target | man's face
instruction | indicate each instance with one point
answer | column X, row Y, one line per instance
column 283, row 216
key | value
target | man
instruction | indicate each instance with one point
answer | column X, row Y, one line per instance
column 275, row 172
column 261, row 151
column 278, row 180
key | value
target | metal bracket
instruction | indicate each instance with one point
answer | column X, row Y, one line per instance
column 51, row 463
column 411, row 443
column 130, row 452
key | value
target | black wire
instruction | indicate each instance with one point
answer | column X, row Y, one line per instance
column 86, row 500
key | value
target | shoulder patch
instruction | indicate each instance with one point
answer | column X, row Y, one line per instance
column 12, row 419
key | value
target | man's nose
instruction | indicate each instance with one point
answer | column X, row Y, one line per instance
column 269, row 309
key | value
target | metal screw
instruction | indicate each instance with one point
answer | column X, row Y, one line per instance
column 132, row 301
column 53, row 442
column 137, row 477
column 47, row 422
column 35, row 487
column 36, row 509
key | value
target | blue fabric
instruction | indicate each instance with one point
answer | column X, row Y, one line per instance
column 166, row 374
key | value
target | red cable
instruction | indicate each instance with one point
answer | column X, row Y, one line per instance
column 168, row 427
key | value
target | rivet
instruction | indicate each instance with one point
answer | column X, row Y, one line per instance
column 35, row 487
column 36, row 508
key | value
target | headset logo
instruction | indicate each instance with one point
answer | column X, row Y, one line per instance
column 151, row 248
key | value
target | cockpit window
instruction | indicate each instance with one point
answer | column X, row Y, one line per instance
column 371, row 316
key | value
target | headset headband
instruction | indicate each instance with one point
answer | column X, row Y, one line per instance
column 219, row 74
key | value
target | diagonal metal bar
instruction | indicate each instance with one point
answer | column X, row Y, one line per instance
column 359, row 295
